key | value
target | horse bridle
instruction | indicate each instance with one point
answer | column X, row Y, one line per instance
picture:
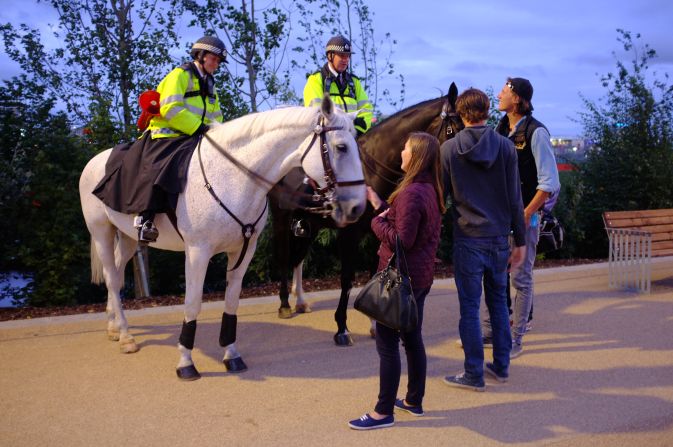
column 446, row 120
column 326, row 195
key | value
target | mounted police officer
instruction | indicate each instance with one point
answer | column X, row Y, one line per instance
column 344, row 87
column 147, row 176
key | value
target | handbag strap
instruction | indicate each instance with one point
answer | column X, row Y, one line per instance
column 399, row 253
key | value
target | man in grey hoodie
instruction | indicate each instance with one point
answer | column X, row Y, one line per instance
column 482, row 176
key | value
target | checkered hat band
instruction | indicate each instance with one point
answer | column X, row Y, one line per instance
column 205, row 46
column 339, row 48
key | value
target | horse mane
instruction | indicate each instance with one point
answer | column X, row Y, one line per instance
column 240, row 131
column 404, row 113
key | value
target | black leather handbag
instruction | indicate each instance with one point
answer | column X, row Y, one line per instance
column 388, row 298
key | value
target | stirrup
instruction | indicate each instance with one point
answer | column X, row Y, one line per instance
column 300, row 228
column 148, row 232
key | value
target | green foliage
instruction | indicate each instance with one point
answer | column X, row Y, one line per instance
column 42, row 222
column 632, row 166
column 112, row 50
column 321, row 19
column 494, row 114
column 255, row 42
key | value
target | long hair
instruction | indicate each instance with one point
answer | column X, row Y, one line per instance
column 424, row 158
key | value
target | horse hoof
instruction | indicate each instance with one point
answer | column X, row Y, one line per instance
column 113, row 335
column 235, row 365
column 303, row 308
column 343, row 340
column 128, row 346
column 284, row 313
column 187, row 373
column 372, row 333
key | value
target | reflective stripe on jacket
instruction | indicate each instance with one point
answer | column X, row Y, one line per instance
column 345, row 100
column 180, row 115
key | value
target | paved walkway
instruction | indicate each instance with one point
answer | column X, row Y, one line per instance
column 597, row 371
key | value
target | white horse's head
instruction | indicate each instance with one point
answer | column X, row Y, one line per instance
column 335, row 164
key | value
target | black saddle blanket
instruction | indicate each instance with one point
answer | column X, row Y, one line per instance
column 146, row 175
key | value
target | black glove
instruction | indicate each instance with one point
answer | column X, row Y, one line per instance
column 203, row 128
column 360, row 122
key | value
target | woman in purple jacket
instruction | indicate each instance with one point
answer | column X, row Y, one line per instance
column 415, row 216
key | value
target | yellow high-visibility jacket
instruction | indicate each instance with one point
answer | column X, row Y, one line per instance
column 182, row 105
column 349, row 98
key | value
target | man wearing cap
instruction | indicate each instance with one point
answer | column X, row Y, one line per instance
column 539, row 179
column 147, row 176
column 345, row 88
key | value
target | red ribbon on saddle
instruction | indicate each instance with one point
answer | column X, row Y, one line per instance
column 149, row 104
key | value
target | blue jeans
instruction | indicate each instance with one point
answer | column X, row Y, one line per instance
column 387, row 345
column 478, row 261
column 522, row 280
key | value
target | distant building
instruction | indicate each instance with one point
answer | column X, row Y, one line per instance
column 570, row 150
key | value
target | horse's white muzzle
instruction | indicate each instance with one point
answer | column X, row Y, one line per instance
column 349, row 205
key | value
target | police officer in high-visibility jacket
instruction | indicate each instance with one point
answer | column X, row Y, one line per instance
column 189, row 103
column 146, row 177
column 345, row 88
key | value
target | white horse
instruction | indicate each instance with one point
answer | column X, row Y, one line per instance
column 268, row 144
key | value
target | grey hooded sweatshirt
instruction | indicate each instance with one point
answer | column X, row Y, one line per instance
column 482, row 176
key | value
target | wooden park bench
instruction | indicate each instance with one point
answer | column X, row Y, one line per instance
column 635, row 238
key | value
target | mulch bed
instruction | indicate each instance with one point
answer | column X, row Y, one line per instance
column 268, row 289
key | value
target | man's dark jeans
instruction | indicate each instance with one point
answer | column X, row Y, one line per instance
column 478, row 261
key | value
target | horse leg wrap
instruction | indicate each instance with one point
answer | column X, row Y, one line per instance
column 228, row 329
column 188, row 333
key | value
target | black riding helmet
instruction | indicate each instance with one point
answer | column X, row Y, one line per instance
column 338, row 44
column 210, row 44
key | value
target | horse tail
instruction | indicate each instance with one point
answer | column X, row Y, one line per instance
column 96, row 266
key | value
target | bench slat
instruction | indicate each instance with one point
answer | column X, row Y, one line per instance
column 641, row 223
column 668, row 212
column 663, row 252
column 656, row 237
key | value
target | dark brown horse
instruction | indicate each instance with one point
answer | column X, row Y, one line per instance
column 380, row 150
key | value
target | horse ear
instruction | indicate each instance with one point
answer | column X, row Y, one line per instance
column 327, row 107
column 453, row 94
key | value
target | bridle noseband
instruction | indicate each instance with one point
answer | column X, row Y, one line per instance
column 325, row 196
column 446, row 121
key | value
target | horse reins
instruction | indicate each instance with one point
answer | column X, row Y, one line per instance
column 324, row 195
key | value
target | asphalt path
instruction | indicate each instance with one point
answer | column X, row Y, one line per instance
column 597, row 370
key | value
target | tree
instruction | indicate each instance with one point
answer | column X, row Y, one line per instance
column 257, row 46
column 632, row 126
column 352, row 18
column 112, row 50
column 42, row 226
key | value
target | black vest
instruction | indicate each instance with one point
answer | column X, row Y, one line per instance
column 522, row 138
column 347, row 81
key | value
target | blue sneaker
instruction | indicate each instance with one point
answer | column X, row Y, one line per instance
column 460, row 381
column 367, row 422
column 416, row 410
column 489, row 369
column 517, row 350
